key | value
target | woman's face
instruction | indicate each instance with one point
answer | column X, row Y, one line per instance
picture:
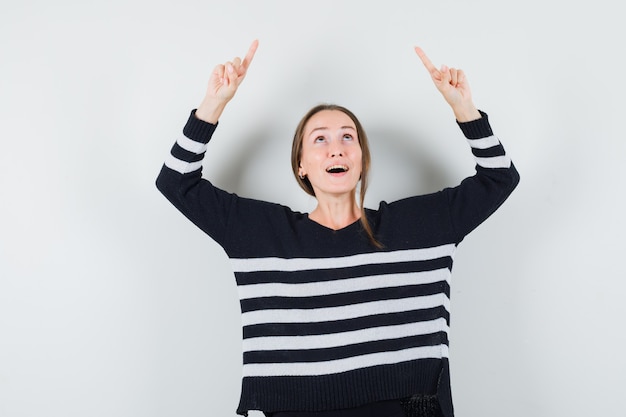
column 331, row 153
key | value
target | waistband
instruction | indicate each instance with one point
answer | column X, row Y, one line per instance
column 415, row 406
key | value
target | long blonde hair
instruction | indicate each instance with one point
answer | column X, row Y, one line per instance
column 305, row 184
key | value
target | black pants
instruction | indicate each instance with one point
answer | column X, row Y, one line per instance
column 416, row 406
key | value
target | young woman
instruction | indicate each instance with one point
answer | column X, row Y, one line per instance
column 345, row 310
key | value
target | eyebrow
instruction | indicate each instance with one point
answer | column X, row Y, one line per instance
column 326, row 128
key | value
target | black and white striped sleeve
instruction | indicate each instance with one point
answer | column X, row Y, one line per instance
column 181, row 182
column 480, row 195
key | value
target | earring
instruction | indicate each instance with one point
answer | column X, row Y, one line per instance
column 301, row 176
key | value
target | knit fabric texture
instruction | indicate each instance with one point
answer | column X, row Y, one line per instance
column 421, row 406
column 330, row 321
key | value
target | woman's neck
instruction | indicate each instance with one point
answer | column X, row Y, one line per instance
column 336, row 213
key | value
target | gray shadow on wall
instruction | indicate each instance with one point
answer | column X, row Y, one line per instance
column 403, row 165
column 251, row 169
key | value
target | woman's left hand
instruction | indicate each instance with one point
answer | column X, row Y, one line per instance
column 453, row 85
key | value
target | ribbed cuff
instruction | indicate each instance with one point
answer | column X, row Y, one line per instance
column 476, row 129
column 197, row 129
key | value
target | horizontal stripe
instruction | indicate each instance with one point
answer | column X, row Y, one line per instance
column 345, row 338
column 340, row 286
column 298, row 264
column 185, row 155
column 348, row 351
column 484, row 143
column 313, row 275
column 344, row 365
column 335, row 326
column 494, row 162
column 191, row 145
column 489, row 152
column 344, row 312
column 182, row 166
column 345, row 298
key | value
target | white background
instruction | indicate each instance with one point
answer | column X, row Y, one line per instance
column 113, row 304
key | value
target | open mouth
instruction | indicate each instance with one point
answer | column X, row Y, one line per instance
column 337, row 169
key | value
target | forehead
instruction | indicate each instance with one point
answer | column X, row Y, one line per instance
column 328, row 119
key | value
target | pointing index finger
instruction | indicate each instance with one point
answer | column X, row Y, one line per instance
column 425, row 60
column 250, row 54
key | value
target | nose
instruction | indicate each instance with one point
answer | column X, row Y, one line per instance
column 336, row 148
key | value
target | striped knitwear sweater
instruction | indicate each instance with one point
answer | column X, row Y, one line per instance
column 330, row 321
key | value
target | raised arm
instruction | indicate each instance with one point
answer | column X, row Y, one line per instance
column 478, row 196
column 180, row 179
column 453, row 85
column 223, row 84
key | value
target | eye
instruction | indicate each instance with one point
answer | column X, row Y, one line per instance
column 347, row 137
column 319, row 139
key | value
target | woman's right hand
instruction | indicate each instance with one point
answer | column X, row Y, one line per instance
column 223, row 84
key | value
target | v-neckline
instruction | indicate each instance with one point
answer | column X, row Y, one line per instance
column 330, row 229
